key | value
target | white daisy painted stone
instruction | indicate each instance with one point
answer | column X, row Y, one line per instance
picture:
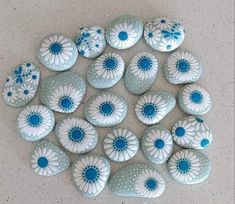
column 137, row 180
column 76, row 135
column 90, row 174
column 157, row 144
column 124, row 32
column 164, row 34
column 153, row 106
column 105, row 109
column 91, row 41
column 48, row 159
column 189, row 166
column 57, row 52
column 106, row 71
column 182, row 67
column 194, row 99
column 35, row 122
column 63, row 92
column 21, row 85
column 192, row 132
column 141, row 73
column 121, row 145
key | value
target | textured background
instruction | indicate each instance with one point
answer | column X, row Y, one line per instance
column 209, row 33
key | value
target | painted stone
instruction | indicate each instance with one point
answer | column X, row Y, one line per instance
column 21, row 85
column 121, row 145
column 137, row 180
column 63, row 92
column 189, row 166
column 76, row 135
column 124, row 32
column 106, row 71
column 35, row 122
column 57, row 52
column 182, row 67
column 194, row 99
column 157, row 144
column 90, row 174
column 91, row 41
column 164, row 34
column 48, row 159
column 141, row 73
column 153, row 106
column 105, row 109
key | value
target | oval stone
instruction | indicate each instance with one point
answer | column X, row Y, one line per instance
column 21, row 85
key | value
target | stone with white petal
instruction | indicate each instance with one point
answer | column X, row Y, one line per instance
column 63, row 92
column 137, row 180
column 21, row 85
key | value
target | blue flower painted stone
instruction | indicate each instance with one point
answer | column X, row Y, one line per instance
column 48, row 159
column 91, row 41
column 35, row 122
column 153, row 106
column 124, row 32
column 157, row 144
column 137, row 180
column 76, row 135
column 90, row 174
column 141, row 73
column 63, row 92
column 106, row 71
column 164, row 34
column 194, row 99
column 192, row 132
column 189, row 166
column 121, row 145
column 21, row 85
column 105, row 109
column 57, row 52
column 182, row 67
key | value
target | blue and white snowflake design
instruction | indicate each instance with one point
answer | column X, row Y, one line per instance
column 97, row 45
column 167, row 45
column 202, row 140
column 162, row 22
column 34, row 78
column 151, row 34
column 97, row 32
column 26, row 92
column 10, row 94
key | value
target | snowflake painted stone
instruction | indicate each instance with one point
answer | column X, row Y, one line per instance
column 164, row 34
column 137, row 180
column 189, row 166
column 21, row 85
column 76, row 135
column 91, row 41
column 90, row 174
column 106, row 71
column 124, row 32
column 63, row 92
column 48, row 159
column 57, row 52
column 141, row 73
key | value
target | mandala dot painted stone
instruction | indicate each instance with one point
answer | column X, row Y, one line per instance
column 106, row 71
column 91, row 41
column 157, row 144
column 137, row 180
column 182, row 67
column 90, row 174
column 63, row 92
column 124, row 32
column 21, row 85
column 48, row 159
column 106, row 109
column 121, row 145
column 153, row 106
column 57, row 52
column 76, row 135
column 141, row 73
column 164, row 34
column 192, row 132
column 189, row 166
column 194, row 99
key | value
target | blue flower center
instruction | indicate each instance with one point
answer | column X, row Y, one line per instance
column 183, row 65
column 82, row 52
column 199, row 120
column 145, row 63
column 42, row 162
column 168, row 47
column 180, row 132
column 149, row 110
column 34, row 119
column 28, row 65
column 66, row 103
column 76, row 134
column 26, row 92
column 98, row 31
column 159, row 143
column 123, row 35
column 9, row 93
column 106, row 108
column 163, row 21
column 56, row 48
column 151, row 184
column 34, row 77
column 120, row 143
column 183, row 165
column 91, row 174
column 150, row 35
column 110, row 63
column 205, row 143
column 196, row 97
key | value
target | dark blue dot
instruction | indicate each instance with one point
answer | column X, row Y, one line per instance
column 66, row 103
column 34, row 120
column 123, row 35
column 144, row 63
column 199, row 120
column 110, row 63
column 205, row 143
column 196, row 97
column 168, row 47
column 163, row 21
column 7, row 80
column 150, row 35
column 151, row 184
column 56, row 48
column 98, row 31
column 28, row 65
column 9, row 93
column 149, row 110
column 180, row 131
column 97, row 45
column 42, row 162
column 82, row 52
column 159, row 143
column 184, row 166
column 34, row 77
column 26, row 92
column 183, row 66
column 91, row 174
